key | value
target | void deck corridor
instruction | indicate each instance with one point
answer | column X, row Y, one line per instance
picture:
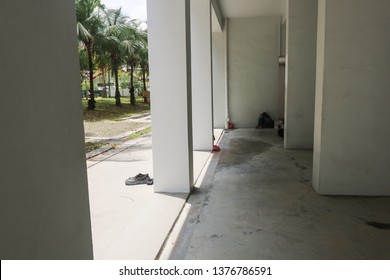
column 257, row 202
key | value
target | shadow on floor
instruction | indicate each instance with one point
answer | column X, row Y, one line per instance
column 256, row 202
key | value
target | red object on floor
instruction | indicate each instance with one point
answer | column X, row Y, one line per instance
column 216, row 148
column 230, row 125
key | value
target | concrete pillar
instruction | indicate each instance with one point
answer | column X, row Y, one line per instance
column 170, row 78
column 44, row 207
column 219, row 54
column 202, row 99
column 352, row 98
column 301, row 77
column 219, row 79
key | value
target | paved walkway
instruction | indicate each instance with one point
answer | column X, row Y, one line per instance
column 131, row 222
column 114, row 132
column 107, row 130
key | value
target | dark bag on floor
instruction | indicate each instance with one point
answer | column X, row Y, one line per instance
column 265, row 121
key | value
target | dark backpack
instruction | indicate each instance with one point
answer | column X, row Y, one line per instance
column 265, row 121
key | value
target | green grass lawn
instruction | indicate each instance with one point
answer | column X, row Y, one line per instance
column 100, row 119
column 107, row 110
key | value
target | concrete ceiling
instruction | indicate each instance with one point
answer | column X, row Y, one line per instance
column 251, row 8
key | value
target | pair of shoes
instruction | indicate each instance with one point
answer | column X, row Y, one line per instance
column 149, row 182
column 138, row 179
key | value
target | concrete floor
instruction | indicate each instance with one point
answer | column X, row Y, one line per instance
column 126, row 220
column 132, row 222
column 256, row 202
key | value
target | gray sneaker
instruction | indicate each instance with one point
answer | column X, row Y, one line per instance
column 149, row 181
column 138, row 179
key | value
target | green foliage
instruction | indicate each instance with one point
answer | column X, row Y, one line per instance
column 110, row 40
column 89, row 25
column 124, row 84
column 123, row 79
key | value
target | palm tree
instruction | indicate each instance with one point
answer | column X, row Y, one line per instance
column 102, row 62
column 132, row 46
column 144, row 62
column 89, row 24
column 111, row 45
column 114, row 34
column 83, row 60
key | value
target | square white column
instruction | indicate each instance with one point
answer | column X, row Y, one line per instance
column 170, row 77
column 351, row 147
column 219, row 79
column 301, row 73
column 202, row 99
column 44, row 196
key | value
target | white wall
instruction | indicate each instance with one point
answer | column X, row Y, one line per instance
column 352, row 132
column 44, row 204
column 253, row 51
column 283, row 38
column 219, row 79
column 301, row 65
column 282, row 91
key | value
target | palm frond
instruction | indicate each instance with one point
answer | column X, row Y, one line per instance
column 83, row 34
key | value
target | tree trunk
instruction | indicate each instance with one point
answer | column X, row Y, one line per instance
column 91, row 100
column 117, row 94
column 104, row 81
column 132, row 96
column 109, row 73
column 144, row 78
